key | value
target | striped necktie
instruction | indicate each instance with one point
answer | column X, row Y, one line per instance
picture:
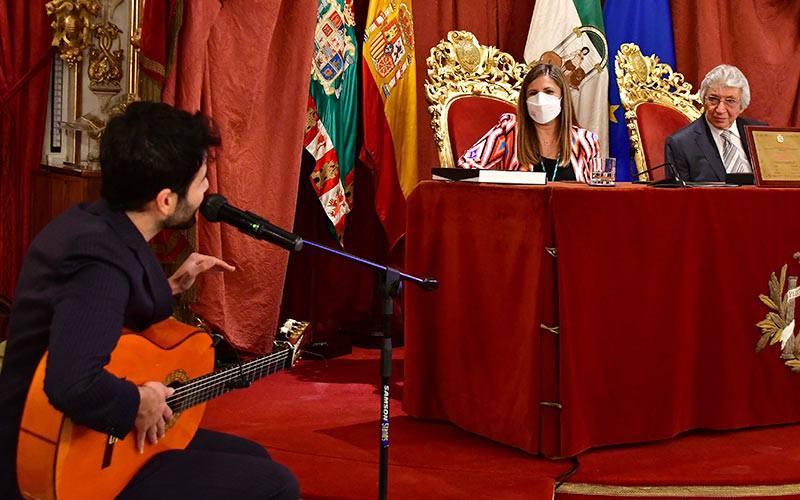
column 730, row 157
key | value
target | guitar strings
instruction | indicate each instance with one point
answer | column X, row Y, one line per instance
column 197, row 390
column 197, row 386
column 191, row 393
column 213, row 386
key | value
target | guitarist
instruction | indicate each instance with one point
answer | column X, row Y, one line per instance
column 90, row 273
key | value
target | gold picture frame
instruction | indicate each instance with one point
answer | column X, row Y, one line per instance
column 775, row 152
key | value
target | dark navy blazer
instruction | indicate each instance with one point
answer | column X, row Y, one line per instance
column 85, row 276
column 693, row 153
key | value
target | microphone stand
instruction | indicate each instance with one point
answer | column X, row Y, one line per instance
column 670, row 180
column 389, row 286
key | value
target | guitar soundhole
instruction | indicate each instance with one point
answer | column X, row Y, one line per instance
column 175, row 379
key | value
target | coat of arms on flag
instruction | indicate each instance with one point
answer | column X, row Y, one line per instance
column 582, row 54
column 334, row 49
column 392, row 47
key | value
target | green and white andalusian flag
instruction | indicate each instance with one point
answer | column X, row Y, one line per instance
column 332, row 109
column 570, row 33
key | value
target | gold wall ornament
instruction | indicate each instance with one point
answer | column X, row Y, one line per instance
column 644, row 79
column 105, row 63
column 779, row 323
column 71, row 26
column 460, row 67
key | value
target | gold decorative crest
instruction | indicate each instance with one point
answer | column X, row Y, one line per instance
column 644, row 79
column 460, row 67
column 71, row 26
column 779, row 325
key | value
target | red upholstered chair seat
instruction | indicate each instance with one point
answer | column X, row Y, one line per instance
column 656, row 122
column 470, row 117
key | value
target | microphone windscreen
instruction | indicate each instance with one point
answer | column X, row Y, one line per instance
column 211, row 206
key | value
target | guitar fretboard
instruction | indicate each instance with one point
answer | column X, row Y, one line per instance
column 207, row 387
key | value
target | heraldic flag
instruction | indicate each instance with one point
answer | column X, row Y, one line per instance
column 390, row 110
column 570, row 34
column 331, row 113
column 650, row 27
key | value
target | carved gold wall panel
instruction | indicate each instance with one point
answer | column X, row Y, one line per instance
column 71, row 26
column 105, row 63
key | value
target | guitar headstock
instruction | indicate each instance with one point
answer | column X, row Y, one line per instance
column 293, row 335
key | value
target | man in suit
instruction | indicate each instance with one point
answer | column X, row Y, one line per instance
column 90, row 273
column 714, row 145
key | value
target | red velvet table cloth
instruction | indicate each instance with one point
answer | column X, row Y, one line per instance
column 655, row 292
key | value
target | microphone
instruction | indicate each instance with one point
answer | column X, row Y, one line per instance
column 215, row 208
column 671, row 177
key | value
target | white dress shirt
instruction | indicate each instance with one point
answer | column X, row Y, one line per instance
column 735, row 139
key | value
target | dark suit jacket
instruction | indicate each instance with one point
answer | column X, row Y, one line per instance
column 693, row 153
column 85, row 276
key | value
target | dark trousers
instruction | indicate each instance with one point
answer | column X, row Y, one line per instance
column 213, row 466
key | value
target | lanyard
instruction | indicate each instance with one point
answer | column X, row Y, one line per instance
column 555, row 169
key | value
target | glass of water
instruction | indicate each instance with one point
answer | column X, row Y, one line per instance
column 603, row 171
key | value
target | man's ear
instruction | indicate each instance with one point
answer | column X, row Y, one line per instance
column 165, row 202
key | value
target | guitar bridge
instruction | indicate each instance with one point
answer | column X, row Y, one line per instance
column 109, row 451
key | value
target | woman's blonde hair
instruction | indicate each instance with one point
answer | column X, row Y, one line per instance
column 529, row 150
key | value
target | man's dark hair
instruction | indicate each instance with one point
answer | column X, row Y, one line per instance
column 150, row 147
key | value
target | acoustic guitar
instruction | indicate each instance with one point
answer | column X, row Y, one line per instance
column 60, row 460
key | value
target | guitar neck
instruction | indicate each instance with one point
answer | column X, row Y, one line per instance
column 207, row 387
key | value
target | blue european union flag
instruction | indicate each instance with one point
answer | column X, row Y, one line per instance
column 648, row 25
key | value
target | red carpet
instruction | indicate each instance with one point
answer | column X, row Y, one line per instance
column 321, row 420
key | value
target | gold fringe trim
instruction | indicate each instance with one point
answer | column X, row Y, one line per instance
column 152, row 65
column 605, row 490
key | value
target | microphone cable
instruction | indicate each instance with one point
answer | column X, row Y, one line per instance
column 562, row 478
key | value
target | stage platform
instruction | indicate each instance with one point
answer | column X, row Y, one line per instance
column 321, row 421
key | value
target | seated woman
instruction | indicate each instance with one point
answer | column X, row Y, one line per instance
column 544, row 135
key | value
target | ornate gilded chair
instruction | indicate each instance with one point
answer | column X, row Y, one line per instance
column 469, row 86
column 657, row 102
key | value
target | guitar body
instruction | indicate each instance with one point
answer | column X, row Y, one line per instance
column 60, row 460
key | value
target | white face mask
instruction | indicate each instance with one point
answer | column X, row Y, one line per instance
column 543, row 108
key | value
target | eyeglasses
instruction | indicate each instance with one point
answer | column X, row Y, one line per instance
column 729, row 102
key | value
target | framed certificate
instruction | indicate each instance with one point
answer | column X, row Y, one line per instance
column 776, row 155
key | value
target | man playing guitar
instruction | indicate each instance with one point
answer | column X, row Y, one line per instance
column 89, row 274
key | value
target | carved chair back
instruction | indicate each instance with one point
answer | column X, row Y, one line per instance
column 469, row 86
column 657, row 102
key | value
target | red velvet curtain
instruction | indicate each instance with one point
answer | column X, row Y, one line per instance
column 760, row 37
column 25, row 37
column 247, row 65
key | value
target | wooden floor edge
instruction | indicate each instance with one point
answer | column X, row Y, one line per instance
column 607, row 490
